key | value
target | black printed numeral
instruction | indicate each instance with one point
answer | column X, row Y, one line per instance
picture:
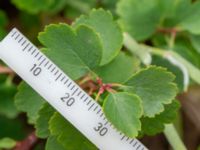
column 101, row 129
column 68, row 99
column 36, row 70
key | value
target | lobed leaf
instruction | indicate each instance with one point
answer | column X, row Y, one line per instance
column 108, row 30
column 155, row 87
column 52, row 144
column 173, row 12
column 7, row 106
column 42, row 122
column 118, row 70
column 195, row 41
column 68, row 136
column 33, row 6
column 191, row 21
column 123, row 110
column 76, row 51
column 139, row 18
column 27, row 100
column 3, row 23
column 152, row 126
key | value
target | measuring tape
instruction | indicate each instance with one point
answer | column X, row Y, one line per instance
column 63, row 93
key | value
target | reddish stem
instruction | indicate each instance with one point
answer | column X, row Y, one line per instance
column 27, row 143
column 168, row 30
column 104, row 87
column 5, row 70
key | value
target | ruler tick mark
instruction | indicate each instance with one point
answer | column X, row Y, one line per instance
column 58, row 76
column 17, row 36
column 79, row 93
column 91, row 106
column 75, row 91
column 53, row 69
column 95, row 108
column 85, row 99
column 131, row 141
column 37, row 54
column 69, row 84
column 42, row 62
column 62, row 78
column 49, row 66
column 13, row 33
column 82, row 96
column 135, row 144
column 20, row 40
column 33, row 52
column 89, row 102
column 46, row 63
column 56, row 73
column 101, row 114
column 30, row 48
column 72, row 87
column 99, row 111
column 122, row 138
column 23, row 43
column 40, row 58
column 26, row 47
column 66, row 81
column 138, row 147
column 105, row 123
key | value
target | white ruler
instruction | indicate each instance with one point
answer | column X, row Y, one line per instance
column 62, row 93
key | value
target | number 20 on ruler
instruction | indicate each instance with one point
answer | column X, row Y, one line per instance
column 62, row 93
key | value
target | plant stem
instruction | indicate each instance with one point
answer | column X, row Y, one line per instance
column 27, row 143
column 5, row 70
column 173, row 137
column 135, row 47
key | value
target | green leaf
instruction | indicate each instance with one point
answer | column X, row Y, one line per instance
column 191, row 22
column 195, row 41
column 56, row 6
column 152, row 126
column 3, row 23
column 27, row 100
column 52, row 144
column 3, row 19
column 7, row 143
column 44, row 115
column 123, row 110
column 139, row 18
column 108, row 30
column 7, row 106
column 184, row 48
column 155, row 87
column 179, row 80
column 67, row 135
column 33, row 6
column 80, row 6
column 173, row 11
column 110, row 5
column 12, row 128
column 124, row 63
column 76, row 51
